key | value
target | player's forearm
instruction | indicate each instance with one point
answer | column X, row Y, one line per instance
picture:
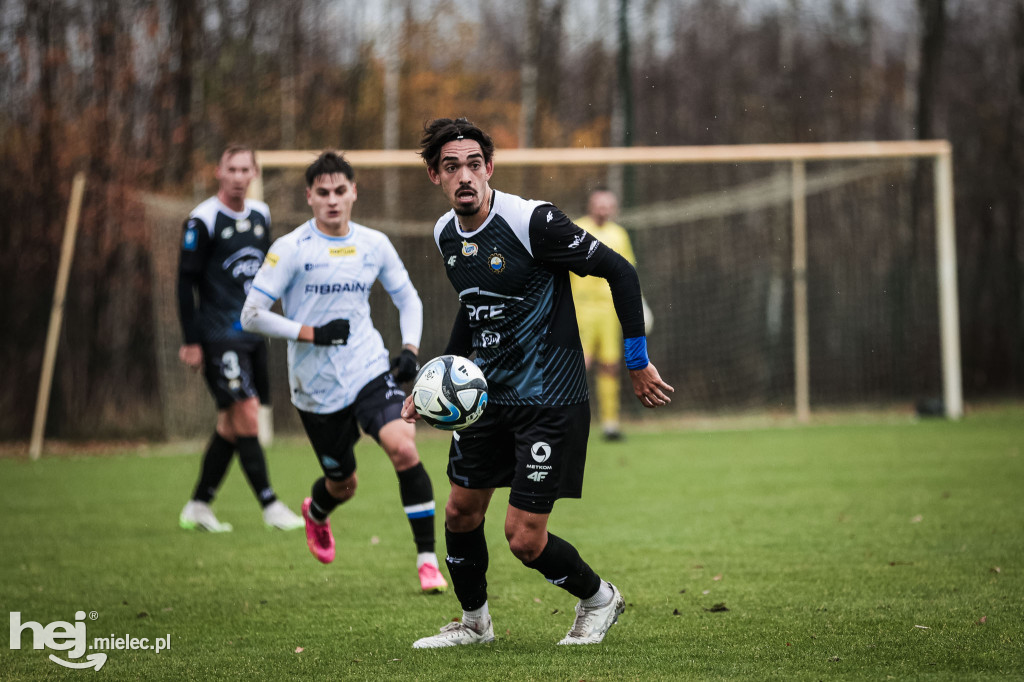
column 187, row 308
column 461, row 340
column 261, row 320
column 410, row 314
column 625, row 289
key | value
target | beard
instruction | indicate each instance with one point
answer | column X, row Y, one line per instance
column 469, row 209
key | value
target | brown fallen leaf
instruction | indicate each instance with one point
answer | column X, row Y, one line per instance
column 982, row 620
column 299, row 649
column 718, row 608
column 917, row 519
column 996, row 569
column 717, row 577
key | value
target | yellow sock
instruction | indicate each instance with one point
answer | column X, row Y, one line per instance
column 608, row 400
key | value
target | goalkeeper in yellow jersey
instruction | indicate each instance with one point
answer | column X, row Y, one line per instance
column 600, row 331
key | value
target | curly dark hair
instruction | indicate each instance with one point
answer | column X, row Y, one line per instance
column 441, row 131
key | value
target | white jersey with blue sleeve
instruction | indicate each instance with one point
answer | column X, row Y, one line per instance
column 319, row 278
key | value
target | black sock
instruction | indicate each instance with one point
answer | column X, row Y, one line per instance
column 254, row 464
column 467, row 565
column 215, row 465
column 323, row 502
column 418, row 502
column 561, row 565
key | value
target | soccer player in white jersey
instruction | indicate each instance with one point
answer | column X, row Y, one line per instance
column 509, row 260
column 223, row 244
column 341, row 377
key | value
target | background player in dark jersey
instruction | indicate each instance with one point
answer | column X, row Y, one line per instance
column 509, row 260
column 225, row 240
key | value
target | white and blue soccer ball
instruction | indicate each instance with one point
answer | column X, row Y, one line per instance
column 450, row 392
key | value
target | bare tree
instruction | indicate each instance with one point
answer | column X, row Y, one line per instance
column 528, row 74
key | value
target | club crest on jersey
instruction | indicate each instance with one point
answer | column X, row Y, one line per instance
column 469, row 248
column 243, row 225
column 496, row 262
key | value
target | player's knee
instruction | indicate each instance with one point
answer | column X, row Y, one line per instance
column 403, row 454
column 242, row 419
column 460, row 518
column 525, row 546
column 342, row 490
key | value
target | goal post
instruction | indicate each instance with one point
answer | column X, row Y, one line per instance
column 797, row 156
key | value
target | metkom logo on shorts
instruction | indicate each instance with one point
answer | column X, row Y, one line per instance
column 69, row 639
column 541, row 451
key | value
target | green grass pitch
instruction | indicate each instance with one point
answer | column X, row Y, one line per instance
column 876, row 550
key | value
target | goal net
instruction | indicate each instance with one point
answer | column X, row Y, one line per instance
column 783, row 279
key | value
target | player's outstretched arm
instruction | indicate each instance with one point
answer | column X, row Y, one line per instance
column 649, row 387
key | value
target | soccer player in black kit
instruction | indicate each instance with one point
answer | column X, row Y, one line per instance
column 224, row 243
column 509, row 260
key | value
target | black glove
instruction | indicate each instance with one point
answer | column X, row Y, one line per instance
column 334, row 333
column 406, row 365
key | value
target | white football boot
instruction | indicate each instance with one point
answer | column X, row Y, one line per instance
column 456, row 634
column 198, row 516
column 278, row 515
column 592, row 623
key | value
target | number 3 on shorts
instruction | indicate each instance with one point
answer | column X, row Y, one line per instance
column 230, row 366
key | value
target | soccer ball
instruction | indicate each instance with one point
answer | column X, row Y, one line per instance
column 450, row 392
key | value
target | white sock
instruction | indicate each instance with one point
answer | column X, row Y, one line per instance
column 426, row 558
column 476, row 617
column 600, row 598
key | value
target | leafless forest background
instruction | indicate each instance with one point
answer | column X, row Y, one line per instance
column 142, row 95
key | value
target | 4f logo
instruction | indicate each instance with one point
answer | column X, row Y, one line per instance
column 451, row 261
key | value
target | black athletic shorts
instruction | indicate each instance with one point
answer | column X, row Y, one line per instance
column 236, row 371
column 334, row 435
column 540, row 452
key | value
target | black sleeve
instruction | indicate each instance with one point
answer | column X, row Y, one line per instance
column 557, row 241
column 195, row 248
column 461, row 340
column 625, row 286
column 187, row 282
